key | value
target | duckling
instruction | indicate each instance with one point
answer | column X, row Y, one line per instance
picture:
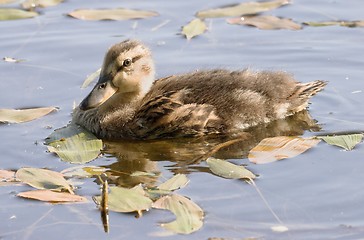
column 126, row 103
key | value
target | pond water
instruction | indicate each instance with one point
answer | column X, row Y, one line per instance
column 317, row 195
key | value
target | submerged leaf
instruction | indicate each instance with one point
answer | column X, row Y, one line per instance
column 91, row 78
column 226, row 169
column 266, row 22
column 336, row 23
column 83, row 172
column 247, row 8
column 13, row 14
column 74, row 144
column 277, row 148
column 23, row 115
column 43, row 179
column 127, row 200
column 194, row 28
column 189, row 216
column 348, row 142
column 29, row 4
column 111, row 14
column 176, row 182
column 51, row 196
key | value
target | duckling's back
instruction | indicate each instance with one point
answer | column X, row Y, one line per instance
column 219, row 101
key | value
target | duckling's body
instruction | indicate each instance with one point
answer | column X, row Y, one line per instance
column 193, row 104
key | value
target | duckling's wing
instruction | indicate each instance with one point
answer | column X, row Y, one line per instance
column 167, row 116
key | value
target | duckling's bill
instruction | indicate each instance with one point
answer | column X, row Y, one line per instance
column 99, row 94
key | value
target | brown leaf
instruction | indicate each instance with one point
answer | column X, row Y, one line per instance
column 53, row 197
column 246, row 8
column 277, row 148
column 111, row 14
column 6, row 175
column 266, row 22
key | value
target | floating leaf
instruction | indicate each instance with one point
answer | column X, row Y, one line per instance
column 7, row 1
column 43, row 179
column 226, row 169
column 176, row 182
column 23, row 115
column 30, row 4
column 83, row 172
column 194, row 28
column 111, row 14
column 277, row 148
column 348, row 142
column 6, row 175
column 189, row 216
column 13, row 60
column 247, row 8
column 51, row 196
column 74, row 144
column 13, row 13
column 127, row 200
column 336, row 23
column 91, row 78
column 266, row 22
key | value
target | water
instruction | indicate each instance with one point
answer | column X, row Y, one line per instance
column 317, row 195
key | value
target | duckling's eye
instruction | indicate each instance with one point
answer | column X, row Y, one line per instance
column 102, row 86
column 127, row 62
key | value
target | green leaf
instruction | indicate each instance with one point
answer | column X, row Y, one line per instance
column 29, row 4
column 247, row 8
column 348, row 142
column 266, row 22
column 226, row 169
column 23, row 115
column 277, row 148
column 176, row 182
column 74, row 144
column 91, row 78
column 336, row 23
column 51, row 196
column 13, row 13
column 194, row 28
column 111, row 14
column 189, row 216
column 127, row 200
column 43, row 179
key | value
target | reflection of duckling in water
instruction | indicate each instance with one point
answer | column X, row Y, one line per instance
column 142, row 156
column 123, row 106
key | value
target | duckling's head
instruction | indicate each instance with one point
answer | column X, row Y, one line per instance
column 128, row 68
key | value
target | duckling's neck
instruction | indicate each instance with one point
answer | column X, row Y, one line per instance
column 106, row 120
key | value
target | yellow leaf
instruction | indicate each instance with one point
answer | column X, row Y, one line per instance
column 23, row 115
column 266, row 22
column 13, row 13
column 194, row 28
column 247, row 8
column 277, row 148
